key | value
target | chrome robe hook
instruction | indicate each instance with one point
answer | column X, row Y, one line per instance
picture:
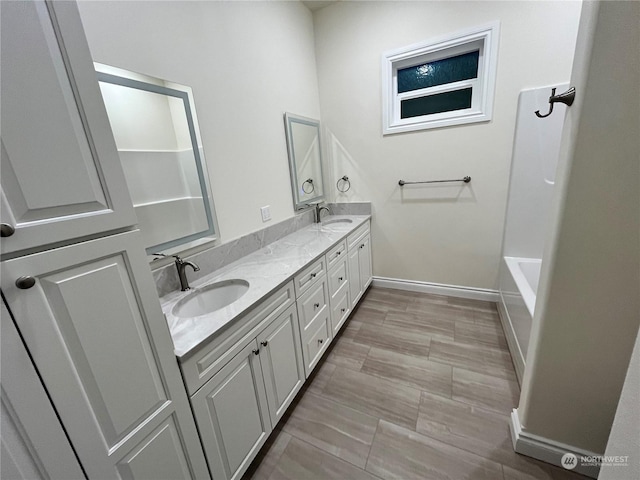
column 567, row 98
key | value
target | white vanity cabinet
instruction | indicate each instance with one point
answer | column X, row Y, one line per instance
column 232, row 414
column 339, row 292
column 360, row 272
column 281, row 362
column 61, row 174
column 314, row 313
column 253, row 373
column 243, row 378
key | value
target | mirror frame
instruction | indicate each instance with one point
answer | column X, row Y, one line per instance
column 125, row 78
column 289, row 119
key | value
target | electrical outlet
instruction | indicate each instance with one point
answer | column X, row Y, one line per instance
column 266, row 213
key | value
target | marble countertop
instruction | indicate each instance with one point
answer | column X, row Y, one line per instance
column 265, row 270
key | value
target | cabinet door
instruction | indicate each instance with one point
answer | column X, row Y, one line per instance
column 355, row 285
column 232, row 414
column 364, row 260
column 93, row 325
column 316, row 341
column 281, row 361
column 61, row 174
column 340, row 309
column 34, row 444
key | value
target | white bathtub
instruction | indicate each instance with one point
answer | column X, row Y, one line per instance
column 518, row 287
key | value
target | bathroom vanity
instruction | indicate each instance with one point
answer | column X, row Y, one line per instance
column 244, row 363
column 92, row 385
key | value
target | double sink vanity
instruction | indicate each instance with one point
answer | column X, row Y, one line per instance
column 248, row 335
column 92, row 385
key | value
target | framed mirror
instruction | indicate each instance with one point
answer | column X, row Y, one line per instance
column 158, row 139
column 305, row 159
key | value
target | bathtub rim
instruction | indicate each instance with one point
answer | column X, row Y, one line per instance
column 524, row 287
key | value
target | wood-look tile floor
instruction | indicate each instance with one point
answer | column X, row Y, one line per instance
column 415, row 386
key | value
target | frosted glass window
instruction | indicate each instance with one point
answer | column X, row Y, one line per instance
column 439, row 72
column 438, row 103
column 440, row 82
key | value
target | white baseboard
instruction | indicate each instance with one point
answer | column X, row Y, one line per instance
column 437, row 288
column 512, row 341
column 546, row 450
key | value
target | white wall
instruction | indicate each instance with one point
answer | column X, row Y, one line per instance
column 247, row 63
column 625, row 434
column 587, row 315
column 441, row 234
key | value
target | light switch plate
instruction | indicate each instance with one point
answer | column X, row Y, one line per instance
column 266, row 213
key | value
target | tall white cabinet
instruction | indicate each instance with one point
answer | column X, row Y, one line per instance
column 61, row 176
column 74, row 271
column 24, row 433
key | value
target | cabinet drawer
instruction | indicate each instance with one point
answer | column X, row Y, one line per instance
column 336, row 254
column 316, row 343
column 313, row 304
column 309, row 276
column 353, row 238
column 338, row 277
column 206, row 362
column 340, row 310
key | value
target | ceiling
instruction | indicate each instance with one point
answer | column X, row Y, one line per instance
column 314, row 5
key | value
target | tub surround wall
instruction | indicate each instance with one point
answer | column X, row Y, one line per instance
column 586, row 319
column 534, row 161
column 536, row 148
column 438, row 234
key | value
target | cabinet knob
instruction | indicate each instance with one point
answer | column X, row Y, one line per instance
column 338, row 252
column 256, row 351
column 340, row 278
column 320, row 341
column 343, row 310
column 313, row 275
column 316, row 305
column 6, row 230
column 264, row 343
column 362, row 246
column 25, row 282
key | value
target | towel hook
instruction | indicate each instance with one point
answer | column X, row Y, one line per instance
column 567, row 98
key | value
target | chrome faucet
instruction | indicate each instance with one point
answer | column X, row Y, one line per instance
column 181, row 265
column 318, row 212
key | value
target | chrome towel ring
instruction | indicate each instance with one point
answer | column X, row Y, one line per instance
column 308, row 189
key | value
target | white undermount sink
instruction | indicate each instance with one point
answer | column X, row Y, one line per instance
column 210, row 298
column 338, row 220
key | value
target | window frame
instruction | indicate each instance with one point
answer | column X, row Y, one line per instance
column 483, row 38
